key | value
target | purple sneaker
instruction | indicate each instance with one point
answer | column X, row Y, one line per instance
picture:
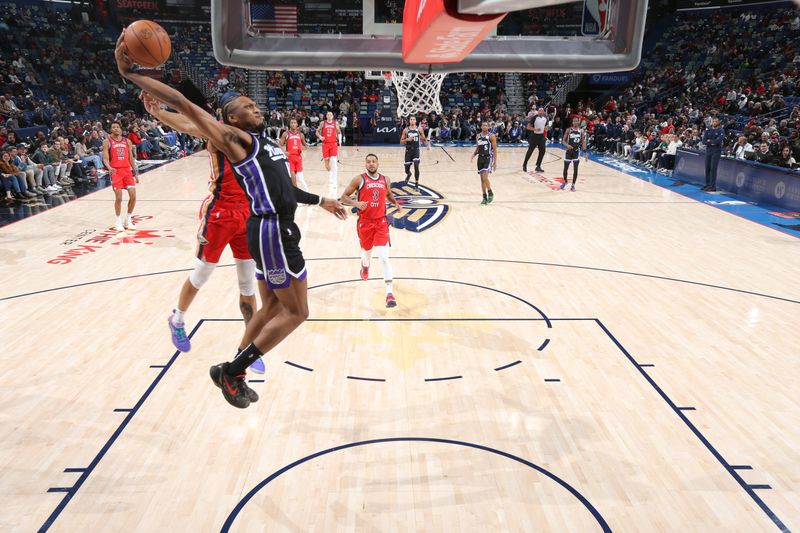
column 179, row 338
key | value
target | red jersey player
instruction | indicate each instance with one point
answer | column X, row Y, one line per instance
column 223, row 222
column 120, row 160
column 329, row 132
column 374, row 190
column 292, row 142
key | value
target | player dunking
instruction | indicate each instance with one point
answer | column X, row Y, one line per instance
column 223, row 222
column 292, row 142
column 574, row 139
column 120, row 160
column 486, row 151
column 272, row 236
column 411, row 137
column 329, row 132
column 374, row 190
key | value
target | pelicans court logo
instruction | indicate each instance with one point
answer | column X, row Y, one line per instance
column 419, row 208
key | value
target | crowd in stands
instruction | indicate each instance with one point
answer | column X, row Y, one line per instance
column 747, row 78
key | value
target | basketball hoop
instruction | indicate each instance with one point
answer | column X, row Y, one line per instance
column 417, row 93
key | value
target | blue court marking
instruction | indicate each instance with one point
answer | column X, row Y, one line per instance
column 747, row 488
column 683, row 408
column 85, row 473
column 244, row 501
column 74, row 470
column 444, row 379
column 728, row 202
column 59, row 489
column 400, row 258
column 359, row 378
column 509, row 365
column 123, row 410
column 544, row 345
column 301, row 367
column 157, row 366
column 448, row 153
column 552, row 380
column 646, row 365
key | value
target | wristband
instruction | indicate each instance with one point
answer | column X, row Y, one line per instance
column 321, row 199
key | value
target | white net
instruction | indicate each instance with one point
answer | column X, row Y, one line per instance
column 417, row 93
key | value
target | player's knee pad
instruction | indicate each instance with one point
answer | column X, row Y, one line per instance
column 201, row 273
column 246, row 274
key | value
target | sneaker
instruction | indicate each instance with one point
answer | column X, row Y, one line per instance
column 572, row 189
column 217, row 373
column 30, row 194
column 258, row 366
column 484, row 202
column 364, row 273
column 179, row 338
column 524, row 169
column 390, row 301
column 539, row 169
column 118, row 226
column 490, row 198
column 563, row 185
column 130, row 225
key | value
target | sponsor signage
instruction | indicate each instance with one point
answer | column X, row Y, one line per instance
column 610, row 78
column 761, row 183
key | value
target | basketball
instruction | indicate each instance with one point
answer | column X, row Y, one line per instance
column 148, row 43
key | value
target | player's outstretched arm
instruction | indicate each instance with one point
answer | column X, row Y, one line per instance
column 347, row 195
column 231, row 141
column 176, row 121
column 403, row 138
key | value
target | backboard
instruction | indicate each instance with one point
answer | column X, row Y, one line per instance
column 347, row 35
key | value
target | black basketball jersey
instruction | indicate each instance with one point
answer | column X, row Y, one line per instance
column 265, row 178
column 574, row 137
column 412, row 139
column 484, row 145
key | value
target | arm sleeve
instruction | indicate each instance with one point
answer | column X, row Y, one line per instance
column 304, row 197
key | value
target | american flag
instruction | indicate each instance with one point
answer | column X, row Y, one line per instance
column 272, row 18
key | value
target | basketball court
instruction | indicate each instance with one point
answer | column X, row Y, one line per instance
column 620, row 358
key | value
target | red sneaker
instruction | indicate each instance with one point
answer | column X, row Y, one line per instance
column 364, row 273
column 390, row 301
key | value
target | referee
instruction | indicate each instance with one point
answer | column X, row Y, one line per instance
column 537, row 129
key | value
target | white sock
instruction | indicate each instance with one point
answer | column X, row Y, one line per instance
column 333, row 182
column 119, row 220
column 365, row 257
column 301, row 181
column 389, row 287
column 177, row 315
column 383, row 253
column 130, row 218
